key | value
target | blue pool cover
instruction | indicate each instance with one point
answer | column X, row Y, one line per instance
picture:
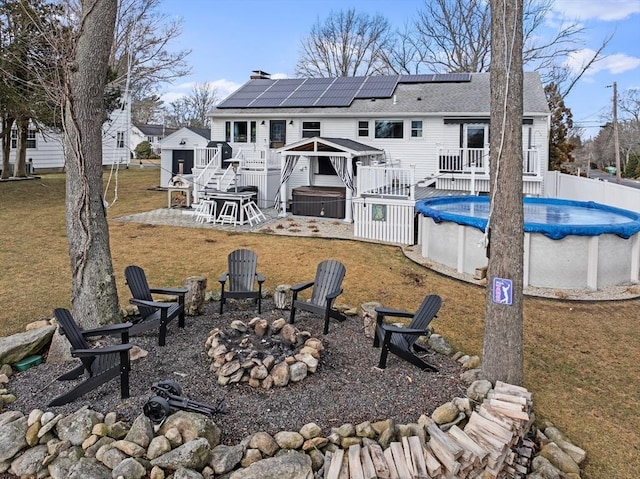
column 551, row 217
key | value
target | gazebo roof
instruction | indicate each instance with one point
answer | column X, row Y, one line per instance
column 319, row 146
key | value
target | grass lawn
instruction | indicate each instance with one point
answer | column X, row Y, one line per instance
column 581, row 358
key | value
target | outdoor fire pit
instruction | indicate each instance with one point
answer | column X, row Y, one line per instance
column 261, row 354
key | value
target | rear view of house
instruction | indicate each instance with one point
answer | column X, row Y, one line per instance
column 392, row 139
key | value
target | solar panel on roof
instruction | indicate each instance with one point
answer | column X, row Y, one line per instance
column 323, row 92
column 426, row 78
column 307, row 92
column 452, row 77
column 377, row 87
column 234, row 103
column 265, row 103
column 342, row 90
column 334, row 101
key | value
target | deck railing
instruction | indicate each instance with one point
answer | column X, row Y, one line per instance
column 202, row 157
column 258, row 159
column 386, row 181
column 467, row 160
column 208, row 160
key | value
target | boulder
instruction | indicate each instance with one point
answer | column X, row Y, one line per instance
column 85, row 468
column 12, row 438
column 559, row 458
column 77, row 427
column 478, row 390
column 158, row 446
column 289, row 440
column 18, row 346
column 445, row 413
column 292, row 465
column 440, row 345
column 141, row 431
column 369, row 317
column 191, row 455
column 129, row 469
column 193, row 425
column 264, row 442
column 225, row 458
column 29, row 463
column 310, row 430
column 183, row 473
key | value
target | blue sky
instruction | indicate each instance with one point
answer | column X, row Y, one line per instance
column 230, row 38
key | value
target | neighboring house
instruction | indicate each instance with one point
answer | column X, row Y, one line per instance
column 45, row 149
column 384, row 137
column 154, row 134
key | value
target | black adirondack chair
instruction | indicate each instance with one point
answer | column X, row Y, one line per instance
column 327, row 286
column 99, row 364
column 155, row 314
column 402, row 341
column 241, row 277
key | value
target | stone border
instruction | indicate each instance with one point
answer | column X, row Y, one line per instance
column 89, row 444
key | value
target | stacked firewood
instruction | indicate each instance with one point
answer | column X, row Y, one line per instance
column 491, row 445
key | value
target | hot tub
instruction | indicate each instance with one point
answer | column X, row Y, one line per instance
column 567, row 244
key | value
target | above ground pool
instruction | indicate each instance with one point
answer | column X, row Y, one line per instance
column 567, row 244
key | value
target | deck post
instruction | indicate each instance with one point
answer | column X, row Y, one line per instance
column 348, row 198
column 283, row 190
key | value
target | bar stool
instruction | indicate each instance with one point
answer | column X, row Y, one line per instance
column 253, row 213
column 206, row 211
column 228, row 213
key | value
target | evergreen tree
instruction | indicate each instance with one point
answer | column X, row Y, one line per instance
column 560, row 143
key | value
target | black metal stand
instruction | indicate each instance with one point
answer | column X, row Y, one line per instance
column 168, row 400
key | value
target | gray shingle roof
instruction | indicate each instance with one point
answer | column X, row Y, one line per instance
column 203, row 132
column 154, row 130
column 431, row 98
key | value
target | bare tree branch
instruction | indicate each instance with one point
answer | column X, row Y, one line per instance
column 346, row 44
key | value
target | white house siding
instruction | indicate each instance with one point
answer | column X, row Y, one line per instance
column 421, row 152
column 115, row 138
column 48, row 155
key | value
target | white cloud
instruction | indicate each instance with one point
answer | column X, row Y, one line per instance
column 615, row 64
column 605, row 10
column 171, row 96
column 224, row 87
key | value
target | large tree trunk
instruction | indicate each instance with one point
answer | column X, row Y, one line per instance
column 7, row 124
column 20, row 168
column 502, row 356
column 94, row 297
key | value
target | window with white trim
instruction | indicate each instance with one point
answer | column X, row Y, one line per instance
column 389, row 129
column 416, row 128
column 120, row 139
column 31, row 139
column 310, row 129
column 240, row 132
column 363, row 129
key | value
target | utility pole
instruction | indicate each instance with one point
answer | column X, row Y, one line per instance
column 616, row 138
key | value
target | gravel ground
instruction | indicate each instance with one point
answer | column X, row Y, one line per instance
column 346, row 388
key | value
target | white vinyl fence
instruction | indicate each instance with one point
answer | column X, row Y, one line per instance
column 560, row 185
column 387, row 220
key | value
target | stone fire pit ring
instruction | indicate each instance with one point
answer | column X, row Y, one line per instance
column 262, row 355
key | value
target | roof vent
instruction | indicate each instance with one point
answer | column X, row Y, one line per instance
column 260, row 75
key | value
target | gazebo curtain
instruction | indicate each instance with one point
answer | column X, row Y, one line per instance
column 290, row 162
column 339, row 164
